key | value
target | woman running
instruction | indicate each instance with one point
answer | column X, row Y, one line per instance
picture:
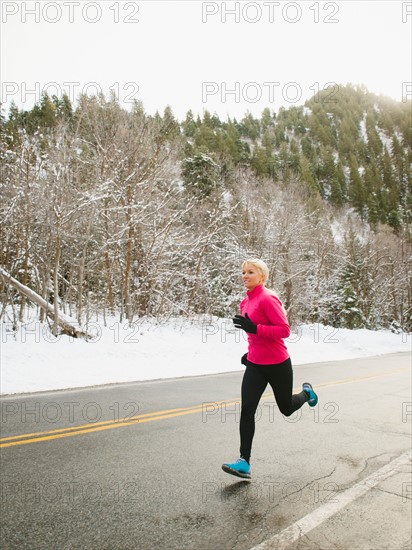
column 267, row 360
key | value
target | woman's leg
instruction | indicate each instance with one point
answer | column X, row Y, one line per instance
column 280, row 378
column 253, row 385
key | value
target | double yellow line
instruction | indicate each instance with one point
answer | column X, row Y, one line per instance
column 35, row 437
column 209, row 408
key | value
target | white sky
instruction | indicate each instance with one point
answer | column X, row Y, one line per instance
column 171, row 49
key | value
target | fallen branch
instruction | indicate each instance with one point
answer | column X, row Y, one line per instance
column 64, row 321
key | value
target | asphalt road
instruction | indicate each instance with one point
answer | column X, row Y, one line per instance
column 138, row 466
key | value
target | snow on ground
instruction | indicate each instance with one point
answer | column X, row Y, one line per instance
column 33, row 360
column 364, row 134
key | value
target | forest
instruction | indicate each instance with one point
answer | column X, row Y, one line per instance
column 114, row 211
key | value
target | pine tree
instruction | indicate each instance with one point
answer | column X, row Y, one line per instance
column 189, row 125
column 250, row 127
column 374, row 141
column 170, row 128
column 64, row 109
column 356, row 189
column 350, row 314
column 237, row 149
column 371, row 185
column 200, row 174
column 267, row 119
column 391, row 192
column 45, row 115
column 338, row 186
column 307, row 147
column 307, row 176
column 326, row 170
column 263, row 163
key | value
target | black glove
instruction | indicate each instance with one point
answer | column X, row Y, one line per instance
column 245, row 323
column 244, row 361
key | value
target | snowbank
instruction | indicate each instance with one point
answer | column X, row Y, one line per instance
column 33, row 360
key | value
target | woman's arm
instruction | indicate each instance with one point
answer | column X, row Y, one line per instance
column 278, row 326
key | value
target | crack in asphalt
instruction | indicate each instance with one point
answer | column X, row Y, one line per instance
column 365, row 467
column 330, row 542
column 392, row 493
column 312, row 481
column 365, row 424
column 270, row 507
column 305, row 541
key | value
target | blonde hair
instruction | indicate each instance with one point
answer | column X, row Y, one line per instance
column 263, row 270
column 260, row 266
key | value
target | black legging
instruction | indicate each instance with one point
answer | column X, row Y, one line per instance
column 255, row 380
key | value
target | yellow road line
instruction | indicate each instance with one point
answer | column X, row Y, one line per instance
column 104, row 422
column 110, row 424
column 49, row 435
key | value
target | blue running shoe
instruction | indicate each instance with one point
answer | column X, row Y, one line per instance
column 240, row 468
column 313, row 398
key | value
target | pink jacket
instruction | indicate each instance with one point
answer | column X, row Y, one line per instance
column 264, row 308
